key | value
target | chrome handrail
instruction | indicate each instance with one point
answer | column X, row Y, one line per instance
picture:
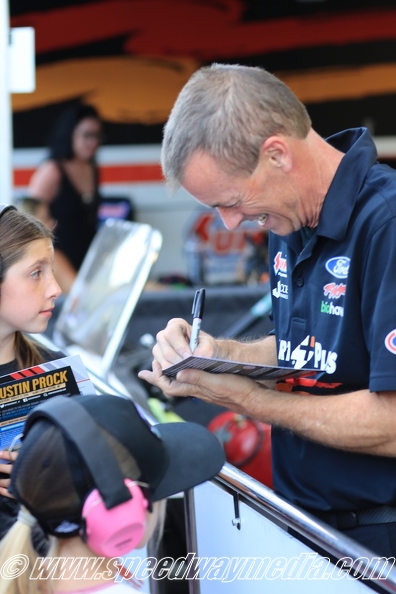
column 321, row 534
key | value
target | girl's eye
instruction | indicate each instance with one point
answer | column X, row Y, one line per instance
column 36, row 273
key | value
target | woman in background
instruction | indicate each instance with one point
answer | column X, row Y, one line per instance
column 67, row 184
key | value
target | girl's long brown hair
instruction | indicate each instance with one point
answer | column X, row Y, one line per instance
column 17, row 231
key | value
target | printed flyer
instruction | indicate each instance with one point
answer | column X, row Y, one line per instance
column 23, row 390
column 256, row 372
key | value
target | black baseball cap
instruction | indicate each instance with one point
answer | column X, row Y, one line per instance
column 64, row 456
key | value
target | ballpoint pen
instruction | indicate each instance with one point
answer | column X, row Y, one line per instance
column 197, row 313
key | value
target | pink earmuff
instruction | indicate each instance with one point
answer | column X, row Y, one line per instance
column 116, row 531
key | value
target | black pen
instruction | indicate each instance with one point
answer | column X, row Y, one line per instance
column 197, row 313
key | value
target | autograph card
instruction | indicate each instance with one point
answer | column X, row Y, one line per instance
column 256, row 372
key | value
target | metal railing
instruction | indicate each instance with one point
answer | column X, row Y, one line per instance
column 332, row 543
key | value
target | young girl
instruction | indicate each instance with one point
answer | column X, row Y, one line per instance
column 28, row 291
column 93, row 473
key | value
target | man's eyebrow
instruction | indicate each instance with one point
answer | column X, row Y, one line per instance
column 233, row 205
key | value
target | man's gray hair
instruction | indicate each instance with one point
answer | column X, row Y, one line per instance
column 228, row 111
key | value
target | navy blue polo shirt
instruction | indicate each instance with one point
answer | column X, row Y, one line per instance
column 334, row 308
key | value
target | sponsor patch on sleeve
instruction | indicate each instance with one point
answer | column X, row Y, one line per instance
column 390, row 341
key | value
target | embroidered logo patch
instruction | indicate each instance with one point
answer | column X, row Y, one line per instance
column 281, row 290
column 308, row 351
column 334, row 291
column 280, row 265
column 390, row 342
column 339, row 266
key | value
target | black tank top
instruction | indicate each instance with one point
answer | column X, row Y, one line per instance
column 76, row 217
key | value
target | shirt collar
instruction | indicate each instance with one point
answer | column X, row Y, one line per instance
column 360, row 155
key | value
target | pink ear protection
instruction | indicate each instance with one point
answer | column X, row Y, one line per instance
column 113, row 518
column 116, row 531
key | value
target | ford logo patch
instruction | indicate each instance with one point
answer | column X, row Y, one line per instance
column 338, row 267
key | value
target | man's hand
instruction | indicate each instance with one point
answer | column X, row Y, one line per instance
column 173, row 343
column 324, row 419
column 228, row 390
column 6, row 468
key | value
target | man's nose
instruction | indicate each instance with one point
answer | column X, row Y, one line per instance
column 230, row 218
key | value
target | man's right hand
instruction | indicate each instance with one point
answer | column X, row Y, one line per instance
column 173, row 344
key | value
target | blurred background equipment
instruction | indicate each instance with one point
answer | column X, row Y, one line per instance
column 247, row 444
column 217, row 256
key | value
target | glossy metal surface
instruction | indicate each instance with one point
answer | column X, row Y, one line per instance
column 332, row 541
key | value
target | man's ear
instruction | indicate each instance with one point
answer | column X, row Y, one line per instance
column 276, row 151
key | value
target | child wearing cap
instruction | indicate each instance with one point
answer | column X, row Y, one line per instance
column 93, row 474
column 28, row 291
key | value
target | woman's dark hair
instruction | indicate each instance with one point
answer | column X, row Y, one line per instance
column 17, row 231
column 60, row 143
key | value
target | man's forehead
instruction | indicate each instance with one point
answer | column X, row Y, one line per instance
column 203, row 177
